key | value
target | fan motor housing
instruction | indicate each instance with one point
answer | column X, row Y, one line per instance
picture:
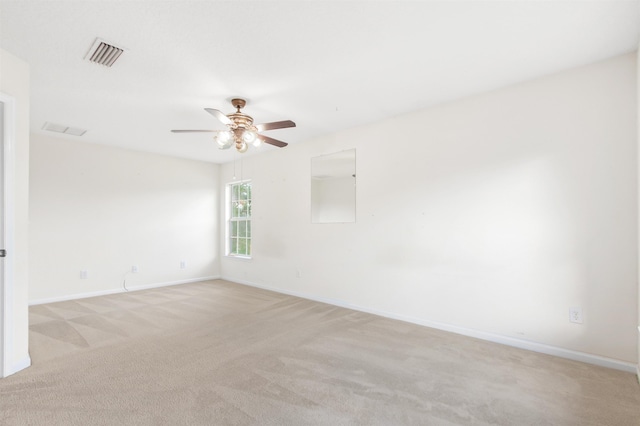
column 241, row 120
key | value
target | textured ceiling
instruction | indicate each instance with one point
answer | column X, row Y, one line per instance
column 326, row 65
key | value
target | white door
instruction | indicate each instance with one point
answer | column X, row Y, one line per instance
column 7, row 117
column 3, row 356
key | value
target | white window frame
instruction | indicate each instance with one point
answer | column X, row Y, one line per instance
column 229, row 219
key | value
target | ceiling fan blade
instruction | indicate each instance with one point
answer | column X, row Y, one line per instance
column 272, row 141
column 219, row 115
column 192, row 131
column 275, row 125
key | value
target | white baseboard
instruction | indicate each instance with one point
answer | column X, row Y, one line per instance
column 638, row 366
column 117, row 290
column 491, row 337
column 18, row 366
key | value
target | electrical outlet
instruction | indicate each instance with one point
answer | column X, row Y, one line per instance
column 84, row 274
column 134, row 269
column 575, row 315
column 183, row 264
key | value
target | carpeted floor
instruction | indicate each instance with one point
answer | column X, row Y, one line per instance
column 218, row 353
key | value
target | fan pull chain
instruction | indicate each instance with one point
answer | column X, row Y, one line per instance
column 234, row 165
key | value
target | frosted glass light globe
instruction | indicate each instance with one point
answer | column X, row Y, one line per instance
column 248, row 136
column 223, row 138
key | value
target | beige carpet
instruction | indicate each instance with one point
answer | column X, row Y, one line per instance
column 218, row 353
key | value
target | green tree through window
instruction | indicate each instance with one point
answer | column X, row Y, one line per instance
column 239, row 225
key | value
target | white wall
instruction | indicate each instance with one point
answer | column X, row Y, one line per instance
column 104, row 210
column 333, row 200
column 14, row 81
column 510, row 208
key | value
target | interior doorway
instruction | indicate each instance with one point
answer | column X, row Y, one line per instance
column 3, row 320
column 7, row 117
column 3, row 356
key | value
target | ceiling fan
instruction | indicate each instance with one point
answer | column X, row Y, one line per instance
column 240, row 129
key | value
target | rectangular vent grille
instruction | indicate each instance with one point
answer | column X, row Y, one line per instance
column 103, row 53
column 60, row 128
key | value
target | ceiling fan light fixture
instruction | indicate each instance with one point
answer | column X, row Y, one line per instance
column 248, row 136
column 224, row 136
column 223, row 139
column 240, row 129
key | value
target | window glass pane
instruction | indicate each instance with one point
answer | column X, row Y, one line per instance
column 239, row 224
column 242, row 246
column 239, row 209
column 242, row 228
column 242, row 208
column 240, row 192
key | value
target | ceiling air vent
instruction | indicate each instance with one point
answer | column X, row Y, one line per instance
column 59, row 128
column 103, row 53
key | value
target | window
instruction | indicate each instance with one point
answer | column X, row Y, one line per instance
column 239, row 219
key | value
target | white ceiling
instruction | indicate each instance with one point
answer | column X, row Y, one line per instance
column 326, row 65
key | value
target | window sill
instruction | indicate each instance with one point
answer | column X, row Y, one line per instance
column 237, row 256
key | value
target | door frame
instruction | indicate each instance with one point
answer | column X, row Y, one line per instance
column 8, row 225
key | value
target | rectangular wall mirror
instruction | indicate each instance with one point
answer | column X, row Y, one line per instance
column 333, row 187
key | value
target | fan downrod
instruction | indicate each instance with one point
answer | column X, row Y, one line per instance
column 238, row 103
